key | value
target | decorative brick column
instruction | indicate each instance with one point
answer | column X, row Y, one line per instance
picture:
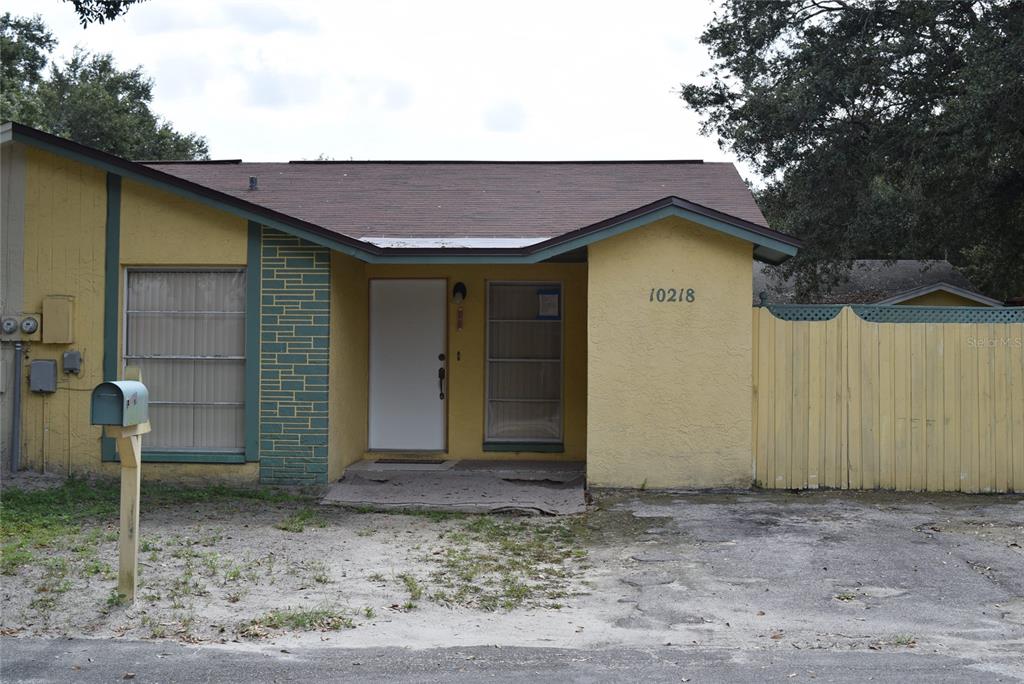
column 294, row 334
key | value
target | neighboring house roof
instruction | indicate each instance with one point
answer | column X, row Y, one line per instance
column 419, row 212
column 875, row 281
column 941, row 287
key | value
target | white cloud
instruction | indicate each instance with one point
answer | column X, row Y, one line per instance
column 279, row 90
column 260, row 18
column 404, row 79
column 505, row 117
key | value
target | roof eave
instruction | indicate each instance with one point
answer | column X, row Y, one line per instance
column 769, row 246
column 937, row 287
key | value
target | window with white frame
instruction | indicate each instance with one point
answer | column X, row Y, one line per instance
column 185, row 329
column 524, row 362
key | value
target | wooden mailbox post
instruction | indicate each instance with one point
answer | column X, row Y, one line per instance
column 122, row 408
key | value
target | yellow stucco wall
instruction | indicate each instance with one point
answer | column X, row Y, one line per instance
column 669, row 383
column 65, row 216
column 65, row 229
column 153, row 220
column 348, row 364
column 941, row 298
column 466, row 374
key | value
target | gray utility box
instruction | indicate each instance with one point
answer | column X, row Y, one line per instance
column 42, row 376
column 121, row 403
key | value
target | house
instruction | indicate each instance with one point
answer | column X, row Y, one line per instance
column 876, row 281
column 291, row 319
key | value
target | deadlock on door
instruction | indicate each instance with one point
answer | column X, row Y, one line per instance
column 441, row 374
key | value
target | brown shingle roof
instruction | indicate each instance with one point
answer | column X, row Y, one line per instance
column 470, row 199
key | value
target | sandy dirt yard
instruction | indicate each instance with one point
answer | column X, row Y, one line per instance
column 742, row 571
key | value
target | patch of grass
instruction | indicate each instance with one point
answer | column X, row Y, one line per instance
column 43, row 518
column 43, row 603
column 304, row 619
column 186, row 621
column 300, row 520
column 369, row 613
column 13, row 556
column 412, row 586
column 318, row 572
column 55, row 577
column 115, row 599
column 39, row 519
column 846, row 596
column 149, row 545
column 377, row 577
column 903, row 640
column 497, row 563
column 187, row 585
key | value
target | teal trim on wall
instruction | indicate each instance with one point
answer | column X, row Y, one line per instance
column 253, row 275
column 526, row 447
column 111, row 289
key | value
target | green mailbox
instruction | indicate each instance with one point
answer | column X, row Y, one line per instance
column 121, row 403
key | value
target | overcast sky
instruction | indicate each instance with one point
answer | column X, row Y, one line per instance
column 280, row 80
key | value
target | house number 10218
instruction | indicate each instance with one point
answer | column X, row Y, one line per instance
column 671, row 294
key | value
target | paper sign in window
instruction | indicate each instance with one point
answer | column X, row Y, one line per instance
column 547, row 304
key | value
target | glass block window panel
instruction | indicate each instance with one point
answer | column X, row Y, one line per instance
column 186, row 331
column 524, row 362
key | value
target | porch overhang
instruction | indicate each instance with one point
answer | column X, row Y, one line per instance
column 770, row 246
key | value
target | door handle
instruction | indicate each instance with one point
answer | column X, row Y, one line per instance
column 440, row 379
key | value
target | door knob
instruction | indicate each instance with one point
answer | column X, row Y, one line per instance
column 440, row 379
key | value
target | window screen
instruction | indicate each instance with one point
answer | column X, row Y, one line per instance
column 186, row 331
column 524, row 362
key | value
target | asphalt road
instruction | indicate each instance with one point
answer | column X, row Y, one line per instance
column 76, row 660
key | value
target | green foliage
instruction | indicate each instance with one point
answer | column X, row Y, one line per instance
column 25, row 43
column 87, row 99
column 115, row 599
column 44, row 518
column 100, row 11
column 885, row 129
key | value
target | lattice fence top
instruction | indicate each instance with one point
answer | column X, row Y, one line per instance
column 804, row 312
column 901, row 314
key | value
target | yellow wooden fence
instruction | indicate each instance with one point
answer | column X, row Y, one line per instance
column 850, row 404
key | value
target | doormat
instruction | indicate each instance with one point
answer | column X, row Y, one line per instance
column 414, row 461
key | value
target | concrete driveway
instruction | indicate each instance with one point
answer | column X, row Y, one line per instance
column 869, row 571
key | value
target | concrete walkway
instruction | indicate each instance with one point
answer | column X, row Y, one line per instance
column 532, row 487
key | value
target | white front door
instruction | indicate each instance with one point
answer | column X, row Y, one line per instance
column 408, row 319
